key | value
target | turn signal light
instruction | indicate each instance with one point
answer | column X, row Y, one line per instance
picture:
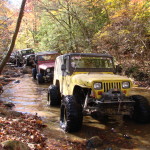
column 124, row 91
column 99, row 92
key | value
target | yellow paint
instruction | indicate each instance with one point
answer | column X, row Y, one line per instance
column 87, row 80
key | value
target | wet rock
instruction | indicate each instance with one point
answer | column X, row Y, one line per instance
column 9, row 105
column 16, row 75
column 2, row 78
column 127, row 136
column 8, row 80
column 17, row 81
column 14, row 145
column 3, row 112
column 94, row 142
column 7, row 76
column 15, row 113
column 6, row 112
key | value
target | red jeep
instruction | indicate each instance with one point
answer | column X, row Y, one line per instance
column 44, row 66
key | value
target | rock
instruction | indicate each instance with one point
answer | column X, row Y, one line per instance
column 3, row 112
column 14, row 145
column 94, row 142
column 127, row 136
column 6, row 112
column 2, row 78
column 17, row 81
column 1, row 89
column 16, row 75
column 15, row 113
column 9, row 105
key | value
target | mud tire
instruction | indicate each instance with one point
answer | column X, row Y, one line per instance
column 141, row 112
column 71, row 115
column 34, row 72
column 18, row 63
column 40, row 79
column 27, row 63
column 53, row 97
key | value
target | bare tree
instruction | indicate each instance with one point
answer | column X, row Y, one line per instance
column 6, row 58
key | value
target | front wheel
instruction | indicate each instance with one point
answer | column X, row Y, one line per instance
column 53, row 97
column 141, row 109
column 34, row 72
column 71, row 115
column 40, row 79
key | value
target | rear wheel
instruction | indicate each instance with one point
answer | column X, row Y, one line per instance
column 71, row 115
column 40, row 78
column 141, row 109
column 53, row 97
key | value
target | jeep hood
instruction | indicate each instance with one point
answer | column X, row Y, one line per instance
column 46, row 65
column 86, row 79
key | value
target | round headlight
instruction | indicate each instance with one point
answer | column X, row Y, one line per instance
column 97, row 86
column 48, row 70
column 125, row 85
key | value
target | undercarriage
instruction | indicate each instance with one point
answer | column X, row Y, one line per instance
column 111, row 103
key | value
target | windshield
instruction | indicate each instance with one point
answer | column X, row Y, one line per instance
column 25, row 52
column 91, row 62
column 47, row 57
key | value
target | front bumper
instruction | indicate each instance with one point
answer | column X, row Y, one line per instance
column 121, row 107
column 49, row 76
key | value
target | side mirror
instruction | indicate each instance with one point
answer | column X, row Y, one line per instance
column 118, row 69
column 63, row 67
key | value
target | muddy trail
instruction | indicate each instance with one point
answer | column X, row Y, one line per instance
column 116, row 133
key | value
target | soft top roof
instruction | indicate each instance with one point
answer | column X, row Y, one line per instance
column 47, row 53
column 25, row 49
column 88, row 54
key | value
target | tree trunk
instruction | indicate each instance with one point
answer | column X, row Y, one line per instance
column 6, row 58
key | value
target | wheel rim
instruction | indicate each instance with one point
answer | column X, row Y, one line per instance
column 63, row 121
column 65, row 117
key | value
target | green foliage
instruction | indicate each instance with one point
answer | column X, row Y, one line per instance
column 70, row 25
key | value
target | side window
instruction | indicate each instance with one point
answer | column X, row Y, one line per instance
column 57, row 67
column 67, row 60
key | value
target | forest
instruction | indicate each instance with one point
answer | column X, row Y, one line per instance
column 120, row 28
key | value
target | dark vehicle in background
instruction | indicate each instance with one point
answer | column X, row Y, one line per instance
column 29, row 60
column 21, row 54
column 44, row 66
column 12, row 58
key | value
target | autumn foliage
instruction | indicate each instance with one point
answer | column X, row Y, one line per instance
column 120, row 28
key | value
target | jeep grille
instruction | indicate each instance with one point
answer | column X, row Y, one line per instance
column 111, row 85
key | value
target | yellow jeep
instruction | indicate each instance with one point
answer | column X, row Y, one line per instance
column 85, row 83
